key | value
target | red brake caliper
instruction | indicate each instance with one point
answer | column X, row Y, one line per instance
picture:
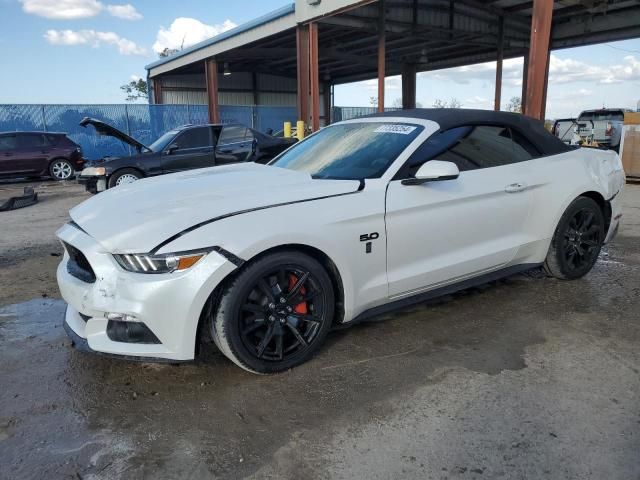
column 301, row 307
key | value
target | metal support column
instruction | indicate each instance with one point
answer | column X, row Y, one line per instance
column 314, row 76
column 498, row 94
column 157, row 91
column 381, row 54
column 544, row 91
column 326, row 92
column 525, row 76
column 211, row 73
column 408, row 86
column 302, row 47
column 538, row 55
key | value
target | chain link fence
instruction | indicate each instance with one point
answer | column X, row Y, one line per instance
column 145, row 123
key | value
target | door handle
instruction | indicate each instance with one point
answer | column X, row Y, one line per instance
column 515, row 187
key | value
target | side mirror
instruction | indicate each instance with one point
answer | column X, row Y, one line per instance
column 172, row 148
column 434, row 171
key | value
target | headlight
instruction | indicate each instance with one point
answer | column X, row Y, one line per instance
column 93, row 172
column 163, row 263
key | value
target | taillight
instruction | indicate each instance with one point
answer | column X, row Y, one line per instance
column 609, row 130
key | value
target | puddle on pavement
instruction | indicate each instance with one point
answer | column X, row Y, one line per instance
column 89, row 414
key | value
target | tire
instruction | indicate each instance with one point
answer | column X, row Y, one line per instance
column 577, row 241
column 260, row 332
column 61, row 169
column 124, row 176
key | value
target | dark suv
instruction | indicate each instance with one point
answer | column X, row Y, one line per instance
column 37, row 154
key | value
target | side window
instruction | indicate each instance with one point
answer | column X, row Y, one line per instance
column 472, row 147
column 482, row 147
column 232, row 134
column 51, row 139
column 523, row 149
column 432, row 149
column 8, row 142
column 32, row 141
column 194, row 138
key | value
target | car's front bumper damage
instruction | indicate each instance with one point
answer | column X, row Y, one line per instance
column 93, row 184
column 149, row 317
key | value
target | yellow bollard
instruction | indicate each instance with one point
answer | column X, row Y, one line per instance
column 300, row 129
column 287, row 129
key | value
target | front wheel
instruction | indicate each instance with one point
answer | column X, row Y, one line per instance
column 275, row 313
column 61, row 169
column 124, row 176
column 577, row 241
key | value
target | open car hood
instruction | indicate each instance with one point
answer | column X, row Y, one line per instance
column 110, row 131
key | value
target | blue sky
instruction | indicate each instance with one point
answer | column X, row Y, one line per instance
column 81, row 51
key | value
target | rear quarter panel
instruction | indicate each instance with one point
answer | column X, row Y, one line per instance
column 558, row 180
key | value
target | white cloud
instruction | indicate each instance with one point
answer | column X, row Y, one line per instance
column 94, row 39
column 74, row 9
column 477, row 102
column 184, row 32
column 561, row 71
column 511, row 72
column 568, row 70
column 135, row 78
column 126, row 12
column 390, row 83
column 62, row 9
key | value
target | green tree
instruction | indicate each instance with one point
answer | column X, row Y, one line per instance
column 167, row 52
column 135, row 90
column 397, row 103
column 515, row 105
column 453, row 103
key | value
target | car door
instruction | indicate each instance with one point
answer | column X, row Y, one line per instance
column 444, row 231
column 33, row 152
column 192, row 148
column 236, row 144
column 9, row 158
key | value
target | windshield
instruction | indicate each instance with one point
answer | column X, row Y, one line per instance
column 161, row 143
column 602, row 115
column 350, row 151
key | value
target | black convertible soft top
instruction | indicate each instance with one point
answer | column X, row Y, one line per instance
column 448, row 118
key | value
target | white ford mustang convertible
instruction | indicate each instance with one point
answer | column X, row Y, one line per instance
column 362, row 217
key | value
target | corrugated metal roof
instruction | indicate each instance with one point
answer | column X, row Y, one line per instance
column 269, row 17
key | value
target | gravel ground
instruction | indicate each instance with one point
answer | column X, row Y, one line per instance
column 523, row 378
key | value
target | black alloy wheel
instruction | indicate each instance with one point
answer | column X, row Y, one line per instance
column 275, row 313
column 582, row 239
column 577, row 240
column 282, row 314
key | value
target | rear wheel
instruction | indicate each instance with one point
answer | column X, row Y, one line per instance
column 124, row 176
column 275, row 313
column 61, row 169
column 577, row 240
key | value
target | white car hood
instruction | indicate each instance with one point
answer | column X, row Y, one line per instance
column 137, row 217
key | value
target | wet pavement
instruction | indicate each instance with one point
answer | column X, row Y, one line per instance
column 523, row 378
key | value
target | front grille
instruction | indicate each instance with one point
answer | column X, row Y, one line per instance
column 78, row 265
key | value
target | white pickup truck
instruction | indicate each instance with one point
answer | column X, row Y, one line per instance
column 603, row 126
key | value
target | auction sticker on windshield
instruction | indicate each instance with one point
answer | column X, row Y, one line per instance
column 401, row 129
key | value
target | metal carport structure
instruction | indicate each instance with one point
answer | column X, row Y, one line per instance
column 303, row 49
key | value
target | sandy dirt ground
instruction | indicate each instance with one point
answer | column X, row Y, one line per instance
column 520, row 379
column 29, row 250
